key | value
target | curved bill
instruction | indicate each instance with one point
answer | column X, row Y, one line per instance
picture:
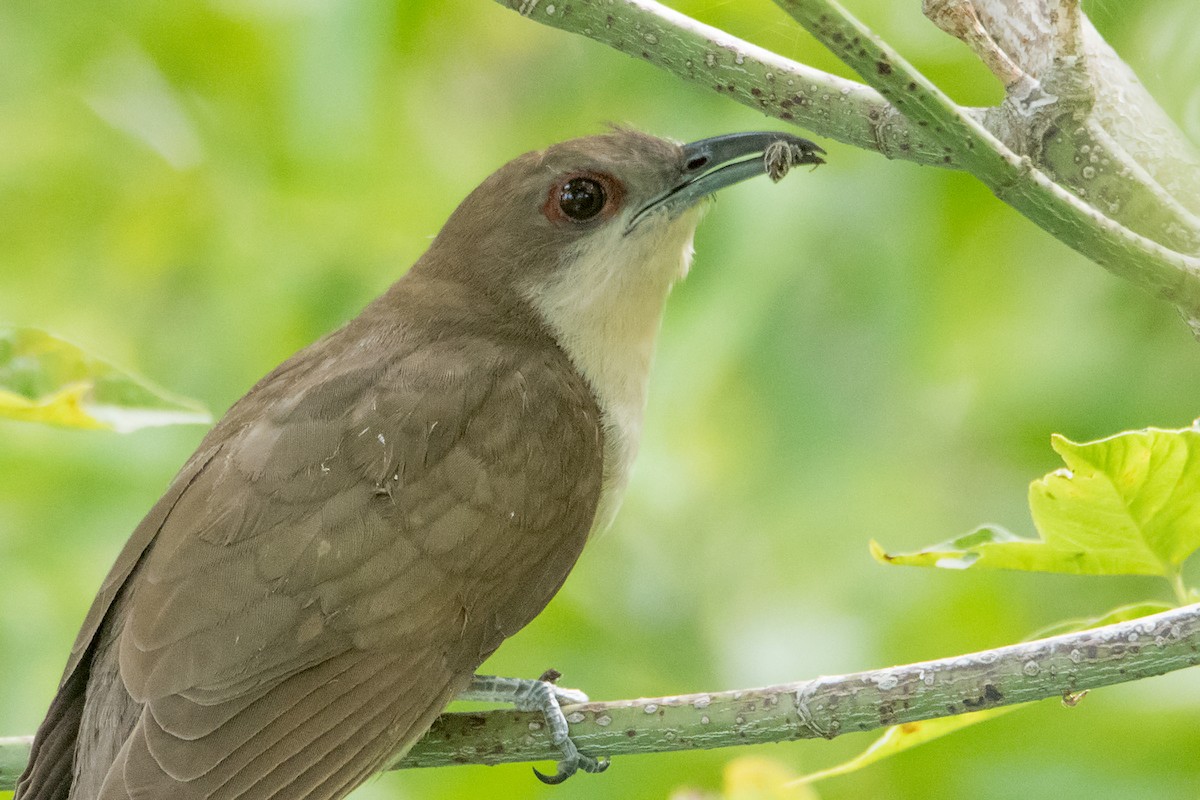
column 712, row 164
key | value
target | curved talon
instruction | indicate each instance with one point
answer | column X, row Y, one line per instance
column 556, row 778
column 568, row 767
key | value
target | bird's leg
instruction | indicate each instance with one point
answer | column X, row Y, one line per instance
column 544, row 696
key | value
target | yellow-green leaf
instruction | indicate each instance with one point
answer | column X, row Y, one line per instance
column 899, row 738
column 958, row 553
column 1128, row 504
column 762, row 778
column 48, row 380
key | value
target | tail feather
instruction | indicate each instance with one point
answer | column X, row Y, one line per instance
column 50, row 771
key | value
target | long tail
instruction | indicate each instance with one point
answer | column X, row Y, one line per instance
column 89, row 719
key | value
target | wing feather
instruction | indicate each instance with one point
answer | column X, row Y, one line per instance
column 364, row 535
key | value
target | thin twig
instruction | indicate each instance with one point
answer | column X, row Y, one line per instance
column 825, row 707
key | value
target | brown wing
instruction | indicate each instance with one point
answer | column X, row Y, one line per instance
column 368, row 532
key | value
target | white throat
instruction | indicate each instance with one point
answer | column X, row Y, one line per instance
column 605, row 306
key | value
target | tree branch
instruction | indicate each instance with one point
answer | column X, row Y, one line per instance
column 823, row 707
column 1119, row 103
column 826, row 104
column 1133, row 223
column 1059, row 110
column 1013, row 178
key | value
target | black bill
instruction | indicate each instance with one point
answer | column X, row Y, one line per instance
column 712, row 164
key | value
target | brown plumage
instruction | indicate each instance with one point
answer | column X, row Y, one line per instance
column 376, row 515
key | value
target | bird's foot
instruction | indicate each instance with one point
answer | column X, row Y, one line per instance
column 545, row 696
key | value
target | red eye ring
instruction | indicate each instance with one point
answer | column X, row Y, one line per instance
column 578, row 198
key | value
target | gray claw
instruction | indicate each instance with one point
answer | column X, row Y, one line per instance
column 568, row 767
column 544, row 696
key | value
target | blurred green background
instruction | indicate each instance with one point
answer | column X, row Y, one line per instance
column 874, row 349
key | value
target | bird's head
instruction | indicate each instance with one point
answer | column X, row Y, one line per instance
column 617, row 210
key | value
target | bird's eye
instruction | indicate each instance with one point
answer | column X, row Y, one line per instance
column 581, row 199
column 583, row 196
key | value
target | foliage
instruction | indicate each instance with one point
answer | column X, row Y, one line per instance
column 45, row 379
column 1125, row 505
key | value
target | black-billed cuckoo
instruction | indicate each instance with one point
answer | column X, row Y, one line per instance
column 376, row 515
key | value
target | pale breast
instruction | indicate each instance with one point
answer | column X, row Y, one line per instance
column 605, row 305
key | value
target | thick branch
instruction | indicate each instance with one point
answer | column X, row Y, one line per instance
column 1027, row 30
column 818, row 101
column 1060, row 113
column 824, row 707
column 1014, row 179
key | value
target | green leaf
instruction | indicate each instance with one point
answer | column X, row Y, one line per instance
column 958, row 553
column 1125, row 505
column 899, row 738
column 45, row 379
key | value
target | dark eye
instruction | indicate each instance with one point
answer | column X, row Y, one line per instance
column 581, row 199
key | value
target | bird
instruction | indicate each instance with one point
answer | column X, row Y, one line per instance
column 367, row 524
